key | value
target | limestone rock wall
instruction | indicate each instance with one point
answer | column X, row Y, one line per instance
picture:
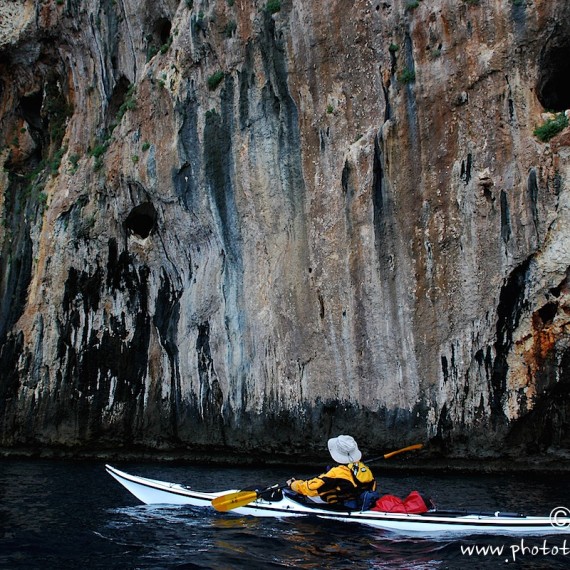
column 246, row 225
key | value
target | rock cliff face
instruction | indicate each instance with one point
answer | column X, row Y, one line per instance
column 244, row 225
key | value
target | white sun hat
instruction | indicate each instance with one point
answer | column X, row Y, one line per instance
column 344, row 449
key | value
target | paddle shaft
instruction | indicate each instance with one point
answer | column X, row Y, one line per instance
column 392, row 453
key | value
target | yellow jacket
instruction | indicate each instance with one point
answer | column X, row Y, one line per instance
column 336, row 485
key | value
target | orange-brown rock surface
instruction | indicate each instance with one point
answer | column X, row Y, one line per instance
column 253, row 225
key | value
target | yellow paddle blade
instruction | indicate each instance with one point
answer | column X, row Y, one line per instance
column 409, row 448
column 235, row 500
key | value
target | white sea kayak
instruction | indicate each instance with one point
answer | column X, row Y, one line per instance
column 153, row 492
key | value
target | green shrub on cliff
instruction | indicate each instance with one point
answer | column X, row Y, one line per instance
column 55, row 161
column 551, row 128
column 215, row 79
column 273, row 6
column 98, row 152
column 230, row 28
column 73, row 161
column 56, row 109
column 407, row 76
column 129, row 103
column 166, row 46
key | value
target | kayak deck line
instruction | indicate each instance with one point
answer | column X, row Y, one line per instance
column 154, row 492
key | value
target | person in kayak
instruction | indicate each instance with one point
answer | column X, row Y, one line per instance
column 344, row 483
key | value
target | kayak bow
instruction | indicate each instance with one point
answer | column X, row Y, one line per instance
column 153, row 492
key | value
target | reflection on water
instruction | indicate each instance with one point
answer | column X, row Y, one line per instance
column 73, row 515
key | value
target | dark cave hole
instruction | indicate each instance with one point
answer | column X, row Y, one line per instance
column 555, row 291
column 548, row 312
column 31, row 109
column 142, row 220
column 162, row 30
column 553, row 86
column 117, row 99
column 466, row 168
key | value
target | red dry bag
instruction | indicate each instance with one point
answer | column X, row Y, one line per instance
column 412, row 504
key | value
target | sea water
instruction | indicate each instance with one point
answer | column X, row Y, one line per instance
column 72, row 515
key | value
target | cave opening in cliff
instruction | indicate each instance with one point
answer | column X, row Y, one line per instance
column 117, row 99
column 162, row 30
column 31, row 109
column 553, row 87
column 142, row 220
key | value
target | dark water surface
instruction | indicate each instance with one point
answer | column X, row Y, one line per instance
column 63, row 514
